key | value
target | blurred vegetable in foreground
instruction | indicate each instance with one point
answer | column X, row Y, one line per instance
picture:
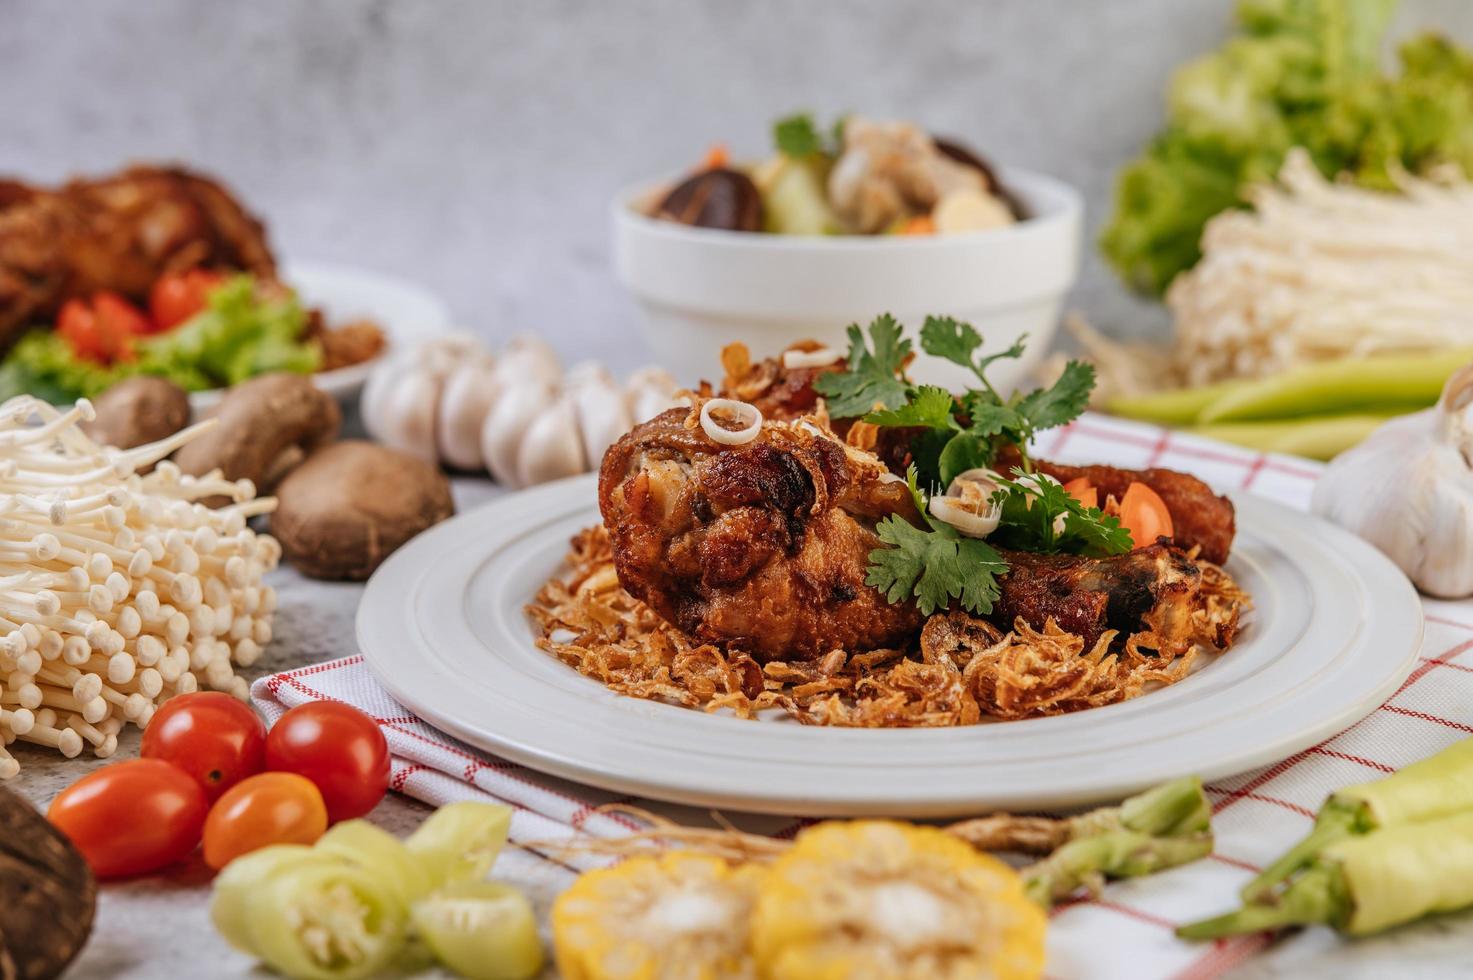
column 1300, row 73
column 1380, row 854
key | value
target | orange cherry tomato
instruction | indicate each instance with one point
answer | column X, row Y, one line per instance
column 1144, row 514
column 1083, row 491
column 214, row 737
column 101, row 329
column 341, row 749
column 269, row 808
column 178, row 296
column 131, row 817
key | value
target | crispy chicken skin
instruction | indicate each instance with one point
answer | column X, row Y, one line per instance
column 762, row 547
column 1087, row 596
column 120, row 233
column 1200, row 518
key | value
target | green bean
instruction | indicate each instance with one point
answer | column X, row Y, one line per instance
column 1317, row 438
column 1369, row 384
column 1364, row 884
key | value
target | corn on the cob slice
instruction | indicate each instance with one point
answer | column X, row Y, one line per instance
column 680, row 916
column 878, row 899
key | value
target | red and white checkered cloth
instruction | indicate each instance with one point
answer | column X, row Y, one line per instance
column 1127, row 931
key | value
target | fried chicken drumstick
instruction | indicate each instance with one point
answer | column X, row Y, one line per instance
column 761, row 546
column 118, row 233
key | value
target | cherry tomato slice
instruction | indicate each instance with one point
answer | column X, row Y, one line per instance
column 1144, row 514
column 93, row 335
column 269, row 808
column 177, row 297
column 118, row 317
column 1083, row 491
column 339, row 748
column 131, row 817
column 210, row 735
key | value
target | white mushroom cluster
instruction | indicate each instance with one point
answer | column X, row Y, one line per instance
column 515, row 413
column 117, row 591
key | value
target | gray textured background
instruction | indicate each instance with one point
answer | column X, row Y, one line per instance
column 474, row 146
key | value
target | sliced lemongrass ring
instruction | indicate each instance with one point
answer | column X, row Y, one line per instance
column 747, row 415
column 822, row 357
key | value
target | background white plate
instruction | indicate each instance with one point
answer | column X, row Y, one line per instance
column 1335, row 629
column 407, row 313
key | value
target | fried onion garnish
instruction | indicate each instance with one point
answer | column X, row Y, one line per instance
column 963, row 671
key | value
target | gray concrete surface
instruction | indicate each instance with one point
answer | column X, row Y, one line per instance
column 474, row 145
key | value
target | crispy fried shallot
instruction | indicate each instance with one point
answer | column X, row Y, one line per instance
column 963, row 671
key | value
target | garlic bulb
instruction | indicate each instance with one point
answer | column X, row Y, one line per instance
column 1408, row 490
column 514, row 413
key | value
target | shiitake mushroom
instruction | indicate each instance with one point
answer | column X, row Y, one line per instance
column 963, row 155
column 47, row 894
column 716, row 198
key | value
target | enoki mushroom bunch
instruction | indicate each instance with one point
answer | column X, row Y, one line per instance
column 117, row 590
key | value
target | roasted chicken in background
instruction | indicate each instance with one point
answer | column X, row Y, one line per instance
column 761, row 546
column 117, row 233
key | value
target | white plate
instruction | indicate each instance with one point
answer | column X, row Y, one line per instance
column 407, row 313
column 1335, row 628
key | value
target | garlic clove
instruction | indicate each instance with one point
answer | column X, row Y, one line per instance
column 529, row 358
column 507, row 424
column 650, row 391
column 602, row 414
column 443, row 355
column 404, row 414
column 465, row 401
column 552, row 447
column 372, row 405
column 587, row 373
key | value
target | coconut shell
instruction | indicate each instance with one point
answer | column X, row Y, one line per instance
column 47, row 894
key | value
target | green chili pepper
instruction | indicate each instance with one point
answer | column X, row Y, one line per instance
column 1436, row 787
column 482, row 930
column 1160, row 828
column 242, row 877
column 1368, row 385
column 325, row 920
column 459, row 842
column 1176, row 406
column 382, row 853
column 1316, row 437
column 1367, row 883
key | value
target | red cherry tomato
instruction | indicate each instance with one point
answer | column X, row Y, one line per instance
column 1144, row 514
column 339, row 748
column 101, row 329
column 270, row 808
column 132, row 817
column 177, row 297
column 210, row 735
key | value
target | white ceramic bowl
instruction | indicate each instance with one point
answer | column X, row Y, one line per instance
column 702, row 288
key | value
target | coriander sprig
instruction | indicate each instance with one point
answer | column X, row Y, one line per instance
column 935, row 564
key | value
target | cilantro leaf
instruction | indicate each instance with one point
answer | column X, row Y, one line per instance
column 930, row 406
column 1065, row 401
column 1014, row 352
column 943, row 336
column 796, row 136
column 934, row 568
column 965, row 451
column 1040, row 515
column 872, row 377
